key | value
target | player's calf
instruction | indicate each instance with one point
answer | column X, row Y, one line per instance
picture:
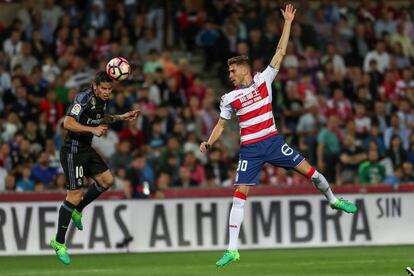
column 322, row 185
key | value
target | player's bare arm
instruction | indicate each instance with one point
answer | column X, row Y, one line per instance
column 215, row 135
column 128, row 116
column 288, row 15
column 71, row 124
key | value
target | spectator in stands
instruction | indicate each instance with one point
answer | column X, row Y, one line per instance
column 380, row 116
column 12, row 45
column 10, row 183
column 5, row 158
column 380, row 55
column 336, row 59
column 375, row 136
column 340, row 106
column 362, row 120
column 3, row 175
column 25, row 59
column 395, row 129
column 406, row 114
column 396, row 152
column 42, row 172
column 54, row 156
column 404, row 41
column 184, row 178
column 98, row 18
column 25, row 183
column 329, row 147
column 371, row 171
column 163, row 181
column 133, row 135
column 140, row 177
column 307, row 129
column 402, row 86
column 407, row 173
column 106, row 144
column 121, row 158
column 59, row 183
column 350, row 158
column 197, row 173
column 402, row 60
column 216, row 169
column 147, row 43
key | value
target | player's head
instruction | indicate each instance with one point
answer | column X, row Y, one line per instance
column 102, row 85
column 239, row 70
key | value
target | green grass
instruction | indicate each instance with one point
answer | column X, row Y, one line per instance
column 376, row 261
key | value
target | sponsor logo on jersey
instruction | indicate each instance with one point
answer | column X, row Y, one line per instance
column 93, row 122
column 76, row 109
column 296, row 157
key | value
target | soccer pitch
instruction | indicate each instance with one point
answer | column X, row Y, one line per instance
column 390, row 260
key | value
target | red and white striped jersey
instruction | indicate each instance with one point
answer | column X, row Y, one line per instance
column 253, row 107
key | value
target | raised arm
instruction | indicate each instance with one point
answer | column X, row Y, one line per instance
column 215, row 135
column 288, row 15
column 110, row 119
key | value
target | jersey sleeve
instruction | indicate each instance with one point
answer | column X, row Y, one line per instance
column 269, row 74
column 225, row 108
column 78, row 106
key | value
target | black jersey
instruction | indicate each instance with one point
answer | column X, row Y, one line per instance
column 88, row 110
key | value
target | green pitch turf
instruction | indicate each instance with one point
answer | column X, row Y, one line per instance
column 328, row 261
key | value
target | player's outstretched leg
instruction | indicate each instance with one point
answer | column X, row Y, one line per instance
column 235, row 221
column 58, row 244
column 93, row 192
column 322, row 184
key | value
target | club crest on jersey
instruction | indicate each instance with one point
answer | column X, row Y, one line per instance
column 76, row 109
column 93, row 102
column 79, row 182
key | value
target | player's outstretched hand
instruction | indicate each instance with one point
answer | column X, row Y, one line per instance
column 130, row 115
column 288, row 13
column 204, row 147
column 100, row 130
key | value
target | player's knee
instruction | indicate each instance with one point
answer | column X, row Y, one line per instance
column 107, row 182
column 239, row 199
column 74, row 197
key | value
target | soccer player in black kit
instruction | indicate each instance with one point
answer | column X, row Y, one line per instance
column 84, row 119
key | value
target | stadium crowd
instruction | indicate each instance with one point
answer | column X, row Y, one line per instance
column 344, row 97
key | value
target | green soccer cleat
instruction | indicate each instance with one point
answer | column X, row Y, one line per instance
column 77, row 219
column 228, row 257
column 344, row 205
column 61, row 251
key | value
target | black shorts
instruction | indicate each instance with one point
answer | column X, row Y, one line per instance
column 79, row 164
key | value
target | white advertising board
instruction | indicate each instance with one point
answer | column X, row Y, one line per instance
column 201, row 224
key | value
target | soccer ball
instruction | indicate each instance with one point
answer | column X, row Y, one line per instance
column 118, row 68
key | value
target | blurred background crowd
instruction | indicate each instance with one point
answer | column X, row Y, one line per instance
column 344, row 96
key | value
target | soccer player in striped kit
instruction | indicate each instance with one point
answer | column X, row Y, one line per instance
column 260, row 142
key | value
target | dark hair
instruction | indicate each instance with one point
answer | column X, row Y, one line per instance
column 102, row 76
column 238, row 60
